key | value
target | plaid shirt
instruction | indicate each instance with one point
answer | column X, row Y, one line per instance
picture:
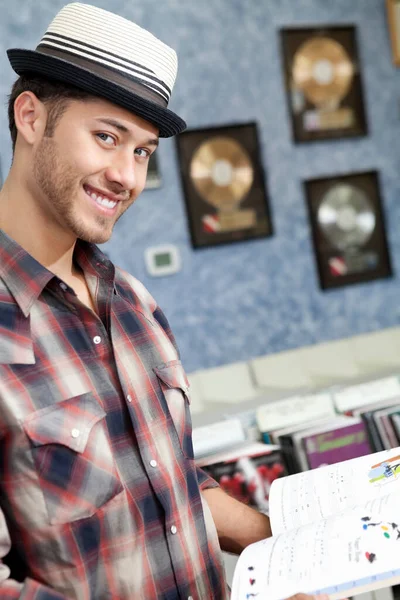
column 99, row 494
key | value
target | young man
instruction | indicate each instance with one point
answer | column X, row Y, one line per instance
column 99, row 494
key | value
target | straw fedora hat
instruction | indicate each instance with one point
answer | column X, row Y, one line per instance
column 108, row 56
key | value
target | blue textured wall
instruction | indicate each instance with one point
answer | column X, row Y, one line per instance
column 243, row 300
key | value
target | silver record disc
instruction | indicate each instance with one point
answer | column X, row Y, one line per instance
column 346, row 216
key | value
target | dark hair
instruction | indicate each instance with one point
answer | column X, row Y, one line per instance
column 55, row 94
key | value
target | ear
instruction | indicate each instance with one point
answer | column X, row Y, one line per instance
column 30, row 116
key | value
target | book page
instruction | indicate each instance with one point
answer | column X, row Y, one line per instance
column 339, row 556
column 313, row 495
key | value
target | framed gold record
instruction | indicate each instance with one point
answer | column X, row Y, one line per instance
column 348, row 229
column 224, row 184
column 323, row 83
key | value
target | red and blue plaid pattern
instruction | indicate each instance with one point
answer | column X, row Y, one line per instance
column 99, row 493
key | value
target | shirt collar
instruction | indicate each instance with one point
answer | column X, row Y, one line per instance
column 26, row 278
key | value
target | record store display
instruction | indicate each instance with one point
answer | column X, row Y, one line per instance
column 323, row 83
column 153, row 179
column 348, row 229
column 223, row 184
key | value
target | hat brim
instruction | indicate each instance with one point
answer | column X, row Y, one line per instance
column 30, row 61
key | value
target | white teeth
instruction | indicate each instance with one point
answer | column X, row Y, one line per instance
column 105, row 202
column 102, row 201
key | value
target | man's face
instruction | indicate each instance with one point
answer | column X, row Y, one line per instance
column 92, row 168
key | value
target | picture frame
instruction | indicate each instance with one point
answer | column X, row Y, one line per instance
column 322, row 80
column 153, row 178
column 348, row 229
column 223, row 184
column 393, row 17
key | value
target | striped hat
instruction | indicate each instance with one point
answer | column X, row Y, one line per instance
column 110, row 57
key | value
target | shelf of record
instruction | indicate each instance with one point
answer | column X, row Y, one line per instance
column 248, row 450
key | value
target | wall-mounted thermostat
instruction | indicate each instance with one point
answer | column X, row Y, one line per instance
column 162, row 260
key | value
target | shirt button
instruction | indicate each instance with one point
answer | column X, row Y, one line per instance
column 129, row 398
column 173, row 530
column 63, row 286
column 75, row 433
column 97, row 339
column 153, row 463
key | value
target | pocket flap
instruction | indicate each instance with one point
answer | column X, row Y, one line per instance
column 174, row 376
column 68, row 423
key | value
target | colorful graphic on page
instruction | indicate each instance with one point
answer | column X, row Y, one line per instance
column 378, row 543
column 382, row 532
column 385, row 472
column 253, row 583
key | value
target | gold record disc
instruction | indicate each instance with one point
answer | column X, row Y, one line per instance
column 323, row 70
column 222, row 172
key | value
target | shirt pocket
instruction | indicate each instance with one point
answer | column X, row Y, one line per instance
column 175, row 389
column 73, row 459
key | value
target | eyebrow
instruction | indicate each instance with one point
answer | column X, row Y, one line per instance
column 123, row 129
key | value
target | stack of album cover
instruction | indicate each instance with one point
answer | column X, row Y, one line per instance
column 324, row 442
column 246, row 472
column 231, row 451
column 378, row 407
column 299, row 433
column 310, row 433
column 327, row 428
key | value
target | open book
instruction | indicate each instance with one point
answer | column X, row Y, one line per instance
column 336, row 530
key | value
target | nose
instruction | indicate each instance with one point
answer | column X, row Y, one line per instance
column 122, row 171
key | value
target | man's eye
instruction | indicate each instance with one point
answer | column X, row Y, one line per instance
column 105, row 137
column 142, row 152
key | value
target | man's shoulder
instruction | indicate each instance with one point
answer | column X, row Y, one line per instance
column 134, row 290
column 15, row 334
column 6, row 297
column 137, row 295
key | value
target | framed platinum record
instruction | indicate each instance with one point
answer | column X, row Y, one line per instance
column 348, row 229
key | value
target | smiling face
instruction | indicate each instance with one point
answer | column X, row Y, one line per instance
column 93, row 167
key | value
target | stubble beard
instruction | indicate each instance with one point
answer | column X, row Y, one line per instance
column 58, row 182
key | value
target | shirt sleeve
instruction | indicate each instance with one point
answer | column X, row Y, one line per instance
column 205, row 481
column 11, row 589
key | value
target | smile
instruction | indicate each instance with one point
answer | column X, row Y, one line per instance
column 101, row 201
